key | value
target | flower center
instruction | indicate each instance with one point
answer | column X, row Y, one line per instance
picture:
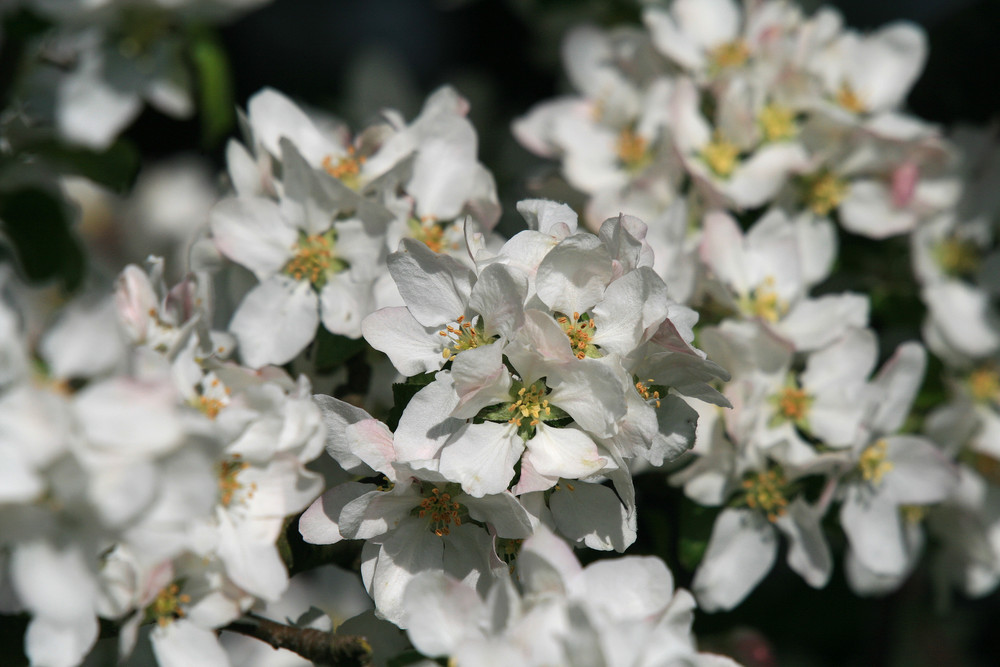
column 648, row 392
column 430, row 233
column 463, row 336
column 777, row 123
column 631, row 150
column 315, row 259
column 347, row 169
column 721, row 156
column 229, row 485
column 825, row 192
column 167, row 606
column 730, row 54
column 873, row 463
column 530, row 404
column 957, row 257
column 764, row 302
column 848, row 99
column 580, row 331
column 792, row 404
column 984, row 385
column 764, row 492
column 441, row 511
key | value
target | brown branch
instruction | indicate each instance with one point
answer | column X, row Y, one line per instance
column 324, row 648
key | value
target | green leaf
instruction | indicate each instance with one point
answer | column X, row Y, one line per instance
column 115, row 168
column 696, row 524
column 332, row 350
column 36, row 221
column 402, row 392
column 215, row 85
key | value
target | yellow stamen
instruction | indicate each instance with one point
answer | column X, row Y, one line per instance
column 825, row 192
column 730, row 54
column 441, row 510
column 764, row 492
column 632, row 150
column 873, row 463
column 721, row 156
column 347, row 168
column 777, row 123
column 848, row 99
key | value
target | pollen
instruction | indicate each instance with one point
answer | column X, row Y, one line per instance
column 825, row 192
column 530, row 405
column 229, row 485
column 792, row 404
column 441, row 510
column 730, row 54
column 984, row 385
column 764, row 492
column 167, row 605
column 315, row 259
column 432, row 234
column 648, row 394
column 777, row 123
column 347, row 169
column 848, row 99
column 957, row 257
column 581, row 333
column 913, row 514
column 764, row 302
column 721, row 156
column 461, row 336
column 632, row 150
column 210, row 407
column 873, row 463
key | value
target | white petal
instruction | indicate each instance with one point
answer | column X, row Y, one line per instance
column 740, row 552
column 184, row 644
column 254, row 233
column 481, row 457
column 275, row 321
column 564, row 452
column 592, row 514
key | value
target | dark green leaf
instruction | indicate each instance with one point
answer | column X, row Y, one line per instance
column 332, row 350
column 215, row 86
column 37, row 223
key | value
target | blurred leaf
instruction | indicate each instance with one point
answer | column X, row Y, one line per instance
column 332, row 350
column 115, row 168
column 37, row 223
column 696, row 524
column 215, row 85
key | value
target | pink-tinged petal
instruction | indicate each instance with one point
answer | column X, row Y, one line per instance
column 741, row 551
column 275, row 321
column 184, row 644
column 565, row 452
column 592, row 514
column 531, row 480
column 573, row 276
column 808, row 552
column 134, row 300
column 372, row 442
column 481, row 457
column 320, row 523
column 254, row 233
column 435, row 287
